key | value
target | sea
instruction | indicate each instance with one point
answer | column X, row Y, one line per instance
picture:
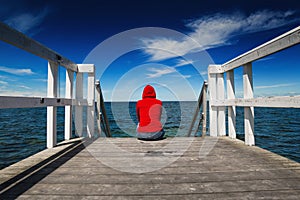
column 23, row 130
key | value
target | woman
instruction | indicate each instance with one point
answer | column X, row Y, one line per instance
column 148, row 111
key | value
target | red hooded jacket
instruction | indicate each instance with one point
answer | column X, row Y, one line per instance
column 148, row 112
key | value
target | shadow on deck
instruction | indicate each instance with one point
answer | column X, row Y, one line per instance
column 20, row 177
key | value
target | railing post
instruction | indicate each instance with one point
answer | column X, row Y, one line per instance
column 213, row 111
column 101, row 108
column 248, row 111
column 97, row 85
column 78, row 108
column 91, row 102
column 221, row 109
column 68, row 109
column 51, row 110
column 231, row 109
column 204, row 109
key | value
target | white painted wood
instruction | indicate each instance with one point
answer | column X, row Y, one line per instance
column 248, row 111
column 78, row 109
column 274, row 102
column 231, row 109
column 80, row 102
column 215, row 69
column 91, row 106
column 18, row 39
column 33, row 102
column 68, row 109
column 86, row 68
column 51, row 110
column 221, row 109
column 217, row 102
column 212, row 87
column 279, row 43
column 204, row 109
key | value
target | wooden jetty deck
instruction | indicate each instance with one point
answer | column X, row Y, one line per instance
column 199, row 168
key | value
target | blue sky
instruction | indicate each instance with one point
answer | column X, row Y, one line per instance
column 165, row 43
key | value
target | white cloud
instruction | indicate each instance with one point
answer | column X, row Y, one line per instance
column 24, row 87
column 160, row 49
column 25, row 22
column 16, row 71
column 273, row 86
column 266, row 19
column 182, row 76
column 159, row 72
column 214, row 31
column 182, row 62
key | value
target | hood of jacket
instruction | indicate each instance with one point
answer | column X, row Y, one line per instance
column 149, row 92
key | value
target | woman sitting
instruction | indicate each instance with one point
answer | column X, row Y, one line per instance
column 148, row 112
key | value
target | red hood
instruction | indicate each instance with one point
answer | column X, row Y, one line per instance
column 149, row 92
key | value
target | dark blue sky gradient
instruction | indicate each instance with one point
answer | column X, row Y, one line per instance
column 75, row 28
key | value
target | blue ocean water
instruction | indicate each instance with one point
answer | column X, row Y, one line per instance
column 23, row 131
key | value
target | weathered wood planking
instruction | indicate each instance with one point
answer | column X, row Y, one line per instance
column 32, row 102
column 231, row 170
column 274, row 102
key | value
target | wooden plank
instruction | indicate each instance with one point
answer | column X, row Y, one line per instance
column 287, row 194
column 86, row 68
column 91, row 106
column 161, row 189
column 20, row 40
column 80, row 102
column 231, row 109
column 231, row 170
column 68, row 109
column 33, row 102
column 215, row 69
column 78, row 109
column 279, row 43
column 221, row 109
column 204, row 110
column 51, row 110
column 213, row 111
column 274, row 102
column 248, row 111
column 190, row 177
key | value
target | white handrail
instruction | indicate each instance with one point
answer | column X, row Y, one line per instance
column 218, row 102
column 20, row 40
column 279, row 43
column 52, row 101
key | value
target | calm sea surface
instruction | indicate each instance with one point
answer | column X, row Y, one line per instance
column 23, row 131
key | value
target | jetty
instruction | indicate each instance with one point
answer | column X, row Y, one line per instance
column 215, row 166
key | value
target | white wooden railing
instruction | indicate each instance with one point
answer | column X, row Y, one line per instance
column 52, row 101
column 218, row 102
